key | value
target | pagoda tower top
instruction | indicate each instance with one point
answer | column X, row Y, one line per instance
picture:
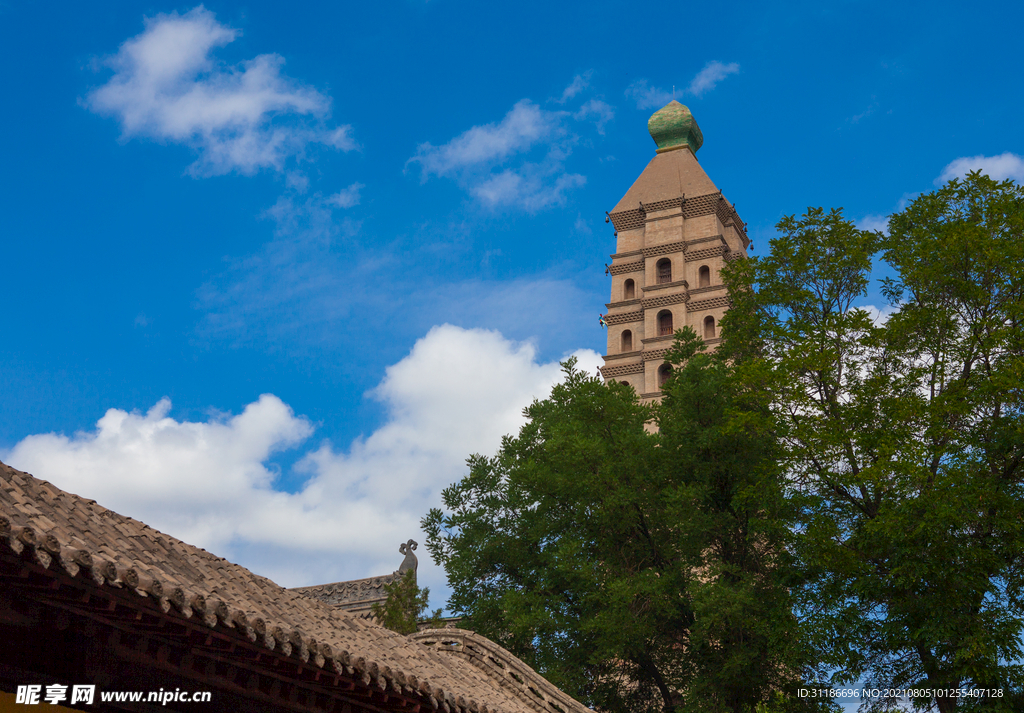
column 673, row 127
column 674, row 232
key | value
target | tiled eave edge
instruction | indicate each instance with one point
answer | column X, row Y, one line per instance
column 501, row 665
column 142, row 619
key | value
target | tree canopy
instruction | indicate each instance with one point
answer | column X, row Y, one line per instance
column 834, row 494
column 638, row 571
column 404, row 605
column 902, row 438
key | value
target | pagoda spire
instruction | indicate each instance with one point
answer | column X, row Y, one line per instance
column 673, row 127
column 674, row 233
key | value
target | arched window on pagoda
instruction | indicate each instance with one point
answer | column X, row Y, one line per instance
column 629, row 290
column 709, row 327
column 664, row 323
column 627, row 341
column 664, row 372
column 664, row 269
column 704, row 276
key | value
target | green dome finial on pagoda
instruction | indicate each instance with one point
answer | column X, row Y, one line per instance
column 673, row 127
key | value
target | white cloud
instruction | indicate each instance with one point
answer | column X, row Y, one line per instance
column 339, row 138
column 486, row 260
column 551, row 304
column 347, row 197
column 646, row 96
column 1005, row 165
column 313, row 290
column 530, row 187
column 598, row 110
column 879, row 315
column 297, row 181
column 709, row 77
column 524, row 126
column 477, row 159
column 906, row 199
column 580, row 226
column 874, row 222
column 168, row 86
column 650, row 97
column 578, row 84
column 200, row 481
column 856, row 118
column 211, row 482
column 456, row 393
column 879, row 221
column 284, row 294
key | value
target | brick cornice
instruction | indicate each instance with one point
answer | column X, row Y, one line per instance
column 712, row 303
column 663, row 338
column 625, row 267
column 665, row 286
column 665, row 300
column 710, row 288
column 691, row 207
column 610, row 372
column 624, row 303
column 624, row 318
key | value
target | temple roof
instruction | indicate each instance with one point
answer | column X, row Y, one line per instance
column 98, row 548
column 355, row 595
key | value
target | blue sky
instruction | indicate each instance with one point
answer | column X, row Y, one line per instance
column 270, row 273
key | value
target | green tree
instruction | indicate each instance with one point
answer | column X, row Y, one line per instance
column 404, row 606
column 719, row 448
column 902, row 440
column 555, row 549
column 630, row 568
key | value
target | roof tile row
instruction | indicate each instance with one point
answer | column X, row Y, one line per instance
column 92, row 542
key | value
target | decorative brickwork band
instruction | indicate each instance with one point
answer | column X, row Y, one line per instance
column 712, row 203
column 705, row 253
column 656, row 250
column 701, row 205
column 655, row 354
column 681, row 245
column 724, row 211
column 664, row 205
column 610, row 372
column 624, row 318
column 712, row 303
column 728, row 215
column 626, row 267
column 628, row 219
column 665, row 300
